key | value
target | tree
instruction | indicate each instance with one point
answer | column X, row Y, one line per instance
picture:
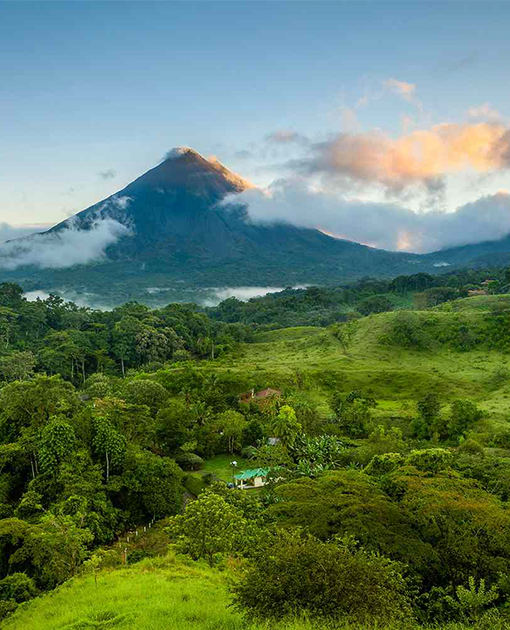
column 463, row 415
column 57, row 443
column 285, row 426
column 17, row 366
column 232, row 424
column 173, row 426
column 429, row 409
column 108, row 443
column 209, row 526
column 353, row 412
column 150, row 486
column 374, row 304
column 295, row 573
column 33, row 403
column 58, row 546
column 345, row 333
column 146, row 392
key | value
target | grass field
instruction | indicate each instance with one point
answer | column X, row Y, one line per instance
column 312, row 359
column 158, row 594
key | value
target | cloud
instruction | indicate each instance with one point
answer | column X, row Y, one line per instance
column 241, row 293
column 286, row 136
column 121, row 203
column 110, row 173
column 9, row 232
column 63, row 248
column 484, row 112
column 243, row 155
column 385, row 225
column 401, row 88
column 420, row 158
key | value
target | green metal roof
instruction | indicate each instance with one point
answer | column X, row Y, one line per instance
column 254, row 472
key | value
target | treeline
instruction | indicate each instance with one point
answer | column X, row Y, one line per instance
column 322, row 306
column 58, row 337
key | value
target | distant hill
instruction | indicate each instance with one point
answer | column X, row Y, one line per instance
column 182, row 240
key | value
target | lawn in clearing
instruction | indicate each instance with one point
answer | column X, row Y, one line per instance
column 220, row 465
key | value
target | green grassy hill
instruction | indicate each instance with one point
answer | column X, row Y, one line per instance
column 315, row 361
column 157, row 594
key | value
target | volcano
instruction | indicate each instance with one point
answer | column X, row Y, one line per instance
column 182, row 226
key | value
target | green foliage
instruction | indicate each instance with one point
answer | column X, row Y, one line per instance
column 431, row 460
column 231, row 425
column 473, row 600
column 374, row 304
column 286, row 426
column 407, row 332
column 294, row 573
column 108, row 443
column 150, row 486
column 209, row 526
column 383, row 464
column 354, row 412
column 57, row 442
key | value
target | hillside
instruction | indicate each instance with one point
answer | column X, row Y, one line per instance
column 157, row 594
column 395, row 376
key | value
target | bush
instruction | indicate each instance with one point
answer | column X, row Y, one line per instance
column 471, row 447
column 189, row 461
column 384, row 464
column 294, row 573
column 17, row 587
column 431, row 460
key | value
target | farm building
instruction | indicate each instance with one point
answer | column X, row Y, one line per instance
column 265, row 394
column 254, row 478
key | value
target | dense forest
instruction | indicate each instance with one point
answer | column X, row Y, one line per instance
column 387, row 494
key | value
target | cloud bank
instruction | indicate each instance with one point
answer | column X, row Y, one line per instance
column 65, row 248
column 385, row 225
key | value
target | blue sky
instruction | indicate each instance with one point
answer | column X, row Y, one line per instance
column 108, row 87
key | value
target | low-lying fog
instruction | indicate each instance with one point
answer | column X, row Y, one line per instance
column 159, row 296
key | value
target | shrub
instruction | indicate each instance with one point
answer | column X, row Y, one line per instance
column 471, row 447
column 384, row 464
column 293, row 573
column 17, row 587
column 431, row 460
column 189, row 461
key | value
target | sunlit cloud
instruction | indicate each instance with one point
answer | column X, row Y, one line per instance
column 423, row 157
column 484, row 112
column 401, row 88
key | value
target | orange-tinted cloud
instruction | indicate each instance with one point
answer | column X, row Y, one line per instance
column 421, row 157
column 402, row 88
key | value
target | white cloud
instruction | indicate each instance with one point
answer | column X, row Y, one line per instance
column 9, row 232
column 241, row 293
column 385, row 225
column 63, row 248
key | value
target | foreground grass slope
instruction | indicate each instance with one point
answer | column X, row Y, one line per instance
column 158, row 594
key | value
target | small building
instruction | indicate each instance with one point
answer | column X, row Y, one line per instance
column 254, row 478
column 261, row 396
